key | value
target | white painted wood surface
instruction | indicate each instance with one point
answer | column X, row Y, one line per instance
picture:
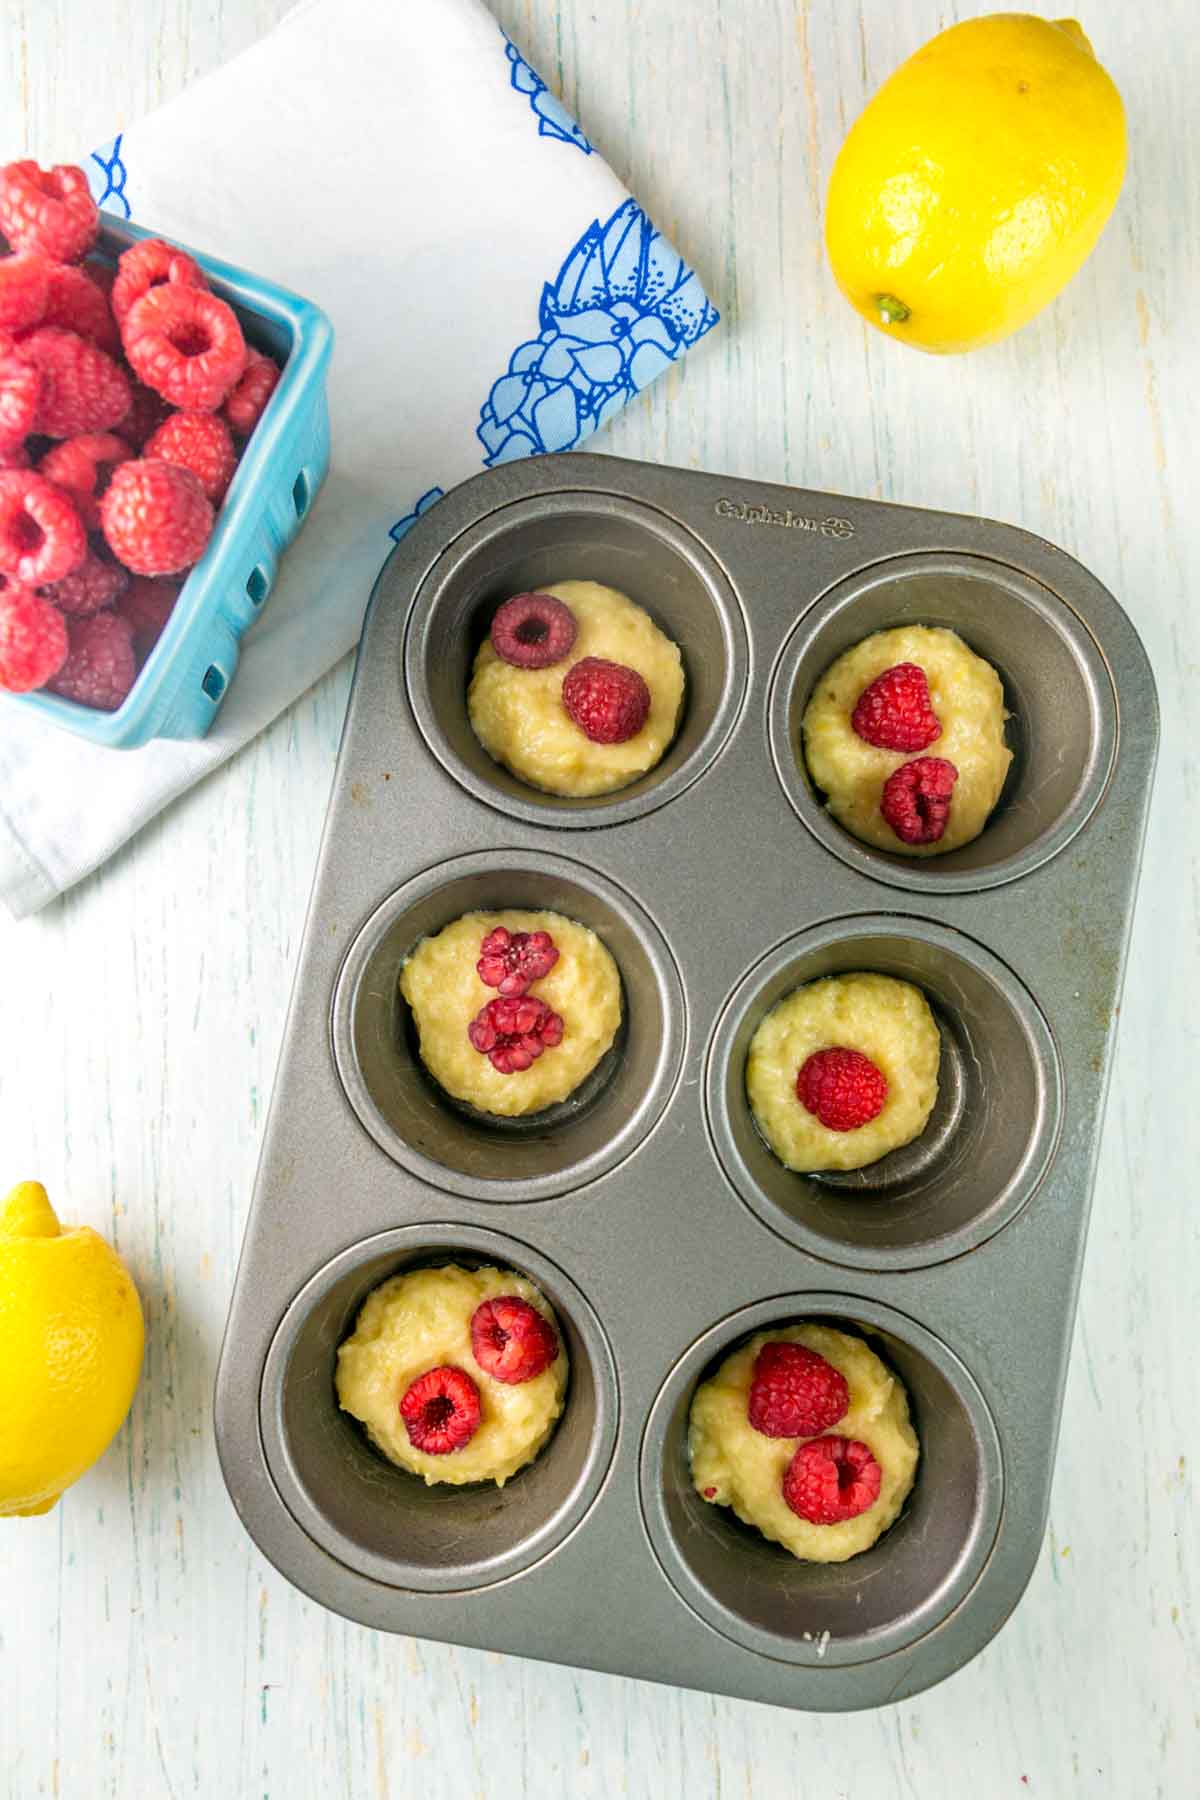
column 146, row 1648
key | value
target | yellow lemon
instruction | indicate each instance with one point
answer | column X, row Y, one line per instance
column 976, row 181
column 70, row 1350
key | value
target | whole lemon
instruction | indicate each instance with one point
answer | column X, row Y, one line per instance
column 71, row 1342
column 976, row 182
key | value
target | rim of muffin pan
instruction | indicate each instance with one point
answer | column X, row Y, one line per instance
column 480, row 1155
column 576, row 536
column 759, row 1596
column 1062, row 727
column 989, row 1141
column 382, row 1521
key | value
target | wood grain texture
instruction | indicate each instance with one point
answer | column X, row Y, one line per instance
column 146, row 1648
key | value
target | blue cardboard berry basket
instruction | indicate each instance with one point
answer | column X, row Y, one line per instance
column 187, row 675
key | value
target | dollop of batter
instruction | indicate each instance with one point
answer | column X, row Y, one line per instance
column 968, row 698
column 420, row 1321
column 735, row 1465
column 519, row 718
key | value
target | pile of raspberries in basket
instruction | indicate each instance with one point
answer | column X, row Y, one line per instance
column 126, row 396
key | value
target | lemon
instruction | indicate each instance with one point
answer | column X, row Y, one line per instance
column 976, row 182
column 70, row 1350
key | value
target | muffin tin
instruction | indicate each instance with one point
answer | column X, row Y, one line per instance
column 647, row 1208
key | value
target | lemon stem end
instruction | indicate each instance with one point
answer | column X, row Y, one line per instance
column 27, row 1212
column 891, row 311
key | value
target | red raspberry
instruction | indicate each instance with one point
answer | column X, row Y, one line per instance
column 75, row 302
column 24, row 283
column 513, row 1032
column 147, row 265
column 102, row 274
column 91, row 587
column 533, row 631
column 147, row 411
column 147, row 605
column 441, row 1411
column 100, row 668
column 198, row 441
column 842, row 1088
column 513, row 961
column 33, row 640
column 795, row 1392
column 15, row 458
column 830, row 1479
column 83, row 467
column 41, row 534
column 155, row 517
column 916, row 799
column 608, row 701
column 50, row 210
column 511, row 1340
column 20, row 396
column 895, row 711
column 83, row 390
column 247, row 403
column 185, row 344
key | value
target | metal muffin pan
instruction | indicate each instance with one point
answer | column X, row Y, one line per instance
column 647, row 1207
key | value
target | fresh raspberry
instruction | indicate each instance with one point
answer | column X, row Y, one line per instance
column 49, row 210
column 155, row 517
column 247, row 403
column 147, row 605
column 83, row 467
column 830, row 1479
column 75, row 302
column 91, row 587
column 842, row 1088
column 102, row 274
column 916, row 799
column 513, row 1032
column 20, row 396
column 895, row 711
column 24, row 284
column 795, row 1392
column 15, row 458
column 513, row 960
column 441, row 1410
column 83, row 390
column 198, row 441
column 533, row 631
column 185, row 344
column 147, row 411
column 608, row 701
column 41, row 534
column 511, row 1340
column 148, row 265
column 33, row 640
column 100, row 668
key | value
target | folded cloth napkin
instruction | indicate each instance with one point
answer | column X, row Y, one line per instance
column 494, row 291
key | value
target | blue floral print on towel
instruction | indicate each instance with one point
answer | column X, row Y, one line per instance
column 403, row 526
column 621, row 309
column 554, row 121
column 108, row 177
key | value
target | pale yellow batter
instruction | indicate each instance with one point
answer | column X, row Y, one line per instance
column 890, row 1022
column 421, row 1321
column 968, row 700
column 746, row 1469
column 445, row 993
column 519, row 718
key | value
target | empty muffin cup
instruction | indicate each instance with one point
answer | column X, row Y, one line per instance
column 885, row 1599
column 989, row 1139
column 1062, row 727
column 382, row 1521
column 576, row 537
column 473, row 1153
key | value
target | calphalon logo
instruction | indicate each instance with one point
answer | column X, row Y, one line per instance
column 790, row 521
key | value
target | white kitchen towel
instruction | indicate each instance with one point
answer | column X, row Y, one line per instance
column 494, row 290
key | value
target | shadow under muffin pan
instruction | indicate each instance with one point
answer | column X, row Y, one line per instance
column 647, row 1206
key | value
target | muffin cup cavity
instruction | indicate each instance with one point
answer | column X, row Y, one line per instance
column 378, row 1519
column 1062, row 729
column 452, row 1145
column 831, row 1614
column 589, row 537
column 993, row 1129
